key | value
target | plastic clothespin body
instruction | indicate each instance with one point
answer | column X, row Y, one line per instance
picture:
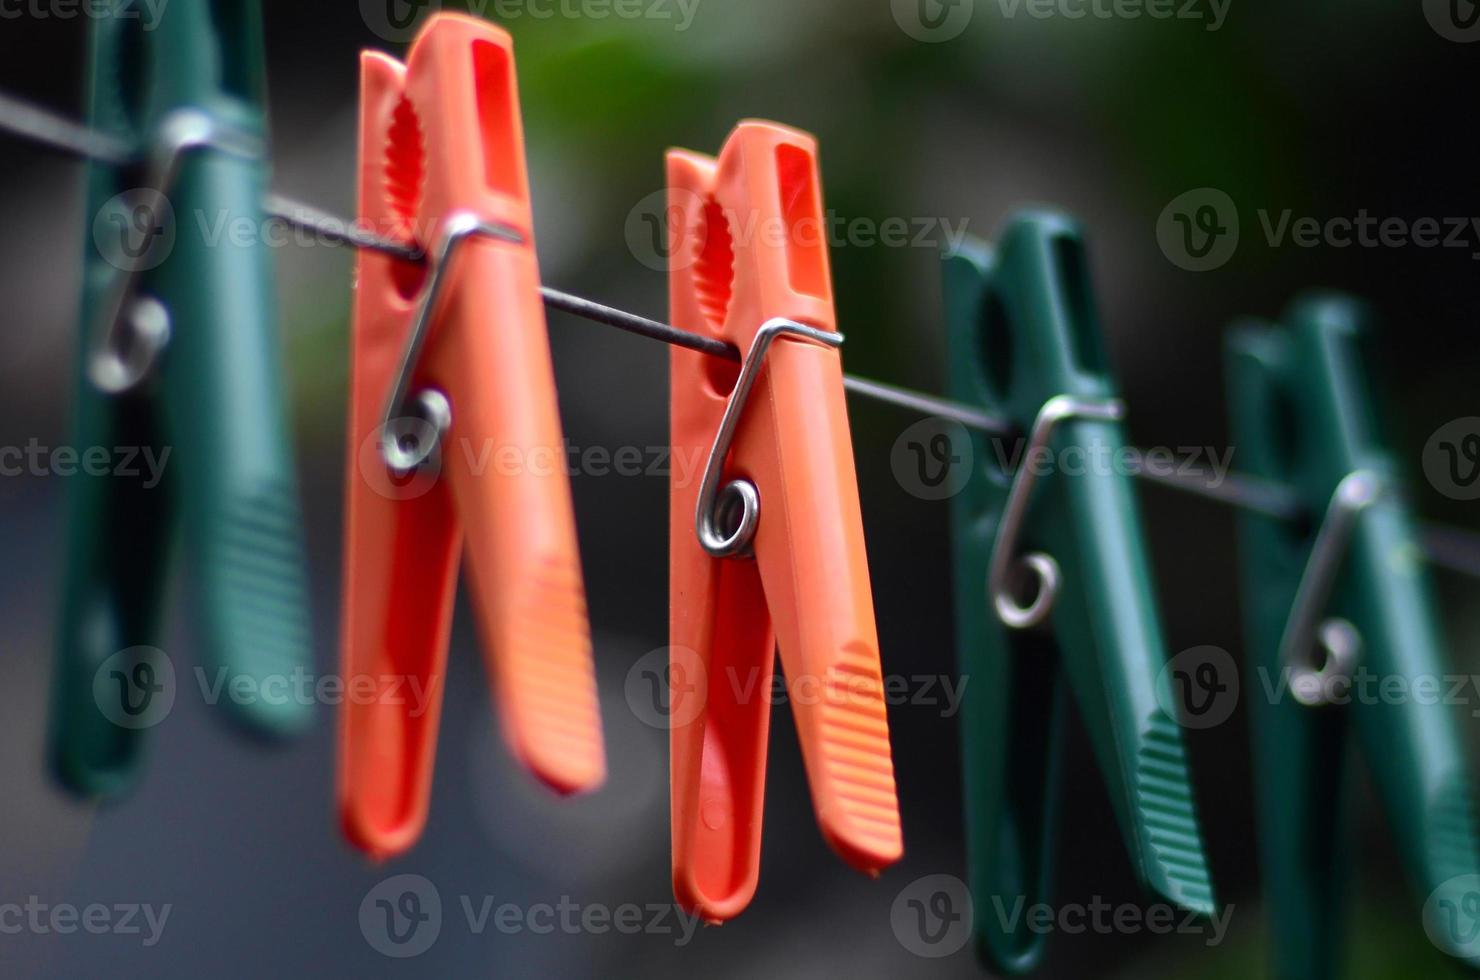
column 208, row 411
column 1023, row 331
column 747, row 248
column 1304, row 413
column 442, row 141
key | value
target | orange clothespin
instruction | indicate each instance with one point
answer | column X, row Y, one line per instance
column 750, row 267
column 454, row 439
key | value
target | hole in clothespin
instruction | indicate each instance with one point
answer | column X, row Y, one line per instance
column 498, row 118
column 995, row 356
column 132, row 66
column 806, row 247
column 234, row 23
column 1073, row 277
column 1285, row 450
column 1284, row 426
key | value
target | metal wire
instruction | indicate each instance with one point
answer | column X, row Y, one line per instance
column 335, row 230
column 1449, row 548
column 1235, row 490
column 641, row 325
column 60, row 133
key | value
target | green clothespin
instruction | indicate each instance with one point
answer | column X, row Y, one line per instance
column 1023, row 342
column 178, row 355
column 1342, row 595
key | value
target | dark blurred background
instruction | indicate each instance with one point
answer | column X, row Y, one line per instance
column 1318, row 106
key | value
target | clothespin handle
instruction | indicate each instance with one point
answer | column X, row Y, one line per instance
column 1023, row 342
column 463, row 340
column 206, row 412
column 1305, row 412
column 751, row 269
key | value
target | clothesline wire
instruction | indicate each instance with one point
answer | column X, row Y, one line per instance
column 1447, row 547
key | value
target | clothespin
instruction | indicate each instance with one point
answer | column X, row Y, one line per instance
column 1342, row 595
column 1053, row 593
column 767, row 551
column 178, row 363
column 451, row 371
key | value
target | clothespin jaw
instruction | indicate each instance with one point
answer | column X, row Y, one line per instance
column 442, row 155
column 750, row 267
column 1341, row 593
column 178, row 364
column 1053, row 592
